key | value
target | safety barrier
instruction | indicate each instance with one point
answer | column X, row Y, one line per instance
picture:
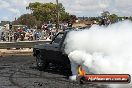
column 21, row 44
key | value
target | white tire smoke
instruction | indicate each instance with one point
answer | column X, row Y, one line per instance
column 103, row 50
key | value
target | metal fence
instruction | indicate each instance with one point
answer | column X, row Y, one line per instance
column 22, row 44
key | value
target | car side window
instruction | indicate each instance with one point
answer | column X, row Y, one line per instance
column 58, row 38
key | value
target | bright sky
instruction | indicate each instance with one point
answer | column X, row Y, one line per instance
column 9, row 9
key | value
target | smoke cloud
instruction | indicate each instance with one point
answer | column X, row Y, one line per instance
column 102, row 50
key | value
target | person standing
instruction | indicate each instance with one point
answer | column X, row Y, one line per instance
column 3, row 36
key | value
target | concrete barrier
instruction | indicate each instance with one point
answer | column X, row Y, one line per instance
column 24, row 51
column 22, row 44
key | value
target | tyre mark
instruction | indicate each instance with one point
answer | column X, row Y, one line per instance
column 12, row 81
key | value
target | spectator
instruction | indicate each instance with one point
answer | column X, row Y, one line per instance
column 22, row 36
column 37, row 35
column 16, row 36
column 3, row 36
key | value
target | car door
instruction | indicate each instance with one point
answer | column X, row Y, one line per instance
column 56, row 45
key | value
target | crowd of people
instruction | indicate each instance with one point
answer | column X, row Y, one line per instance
column 25, row 34
column 47, row 32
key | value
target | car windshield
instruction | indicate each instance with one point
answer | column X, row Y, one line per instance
column 58, row 38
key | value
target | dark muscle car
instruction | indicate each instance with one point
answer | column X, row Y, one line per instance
column 52, row 53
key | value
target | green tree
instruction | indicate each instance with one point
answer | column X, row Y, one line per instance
column 26, row 19
column 105, row 14
column 113, row 18
column 45, row 12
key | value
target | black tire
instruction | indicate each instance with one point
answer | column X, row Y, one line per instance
column 67, row 69
column 41, row 62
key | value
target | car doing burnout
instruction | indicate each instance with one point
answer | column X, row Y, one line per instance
column 52, row 53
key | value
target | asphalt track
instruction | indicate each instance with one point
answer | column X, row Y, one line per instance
column 19, row 71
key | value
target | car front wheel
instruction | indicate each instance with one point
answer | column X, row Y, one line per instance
column 41, row 62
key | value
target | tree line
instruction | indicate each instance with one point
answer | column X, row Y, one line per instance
column 47, row 13
column 44, row 13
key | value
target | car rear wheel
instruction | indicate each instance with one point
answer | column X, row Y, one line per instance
column 41, row 62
